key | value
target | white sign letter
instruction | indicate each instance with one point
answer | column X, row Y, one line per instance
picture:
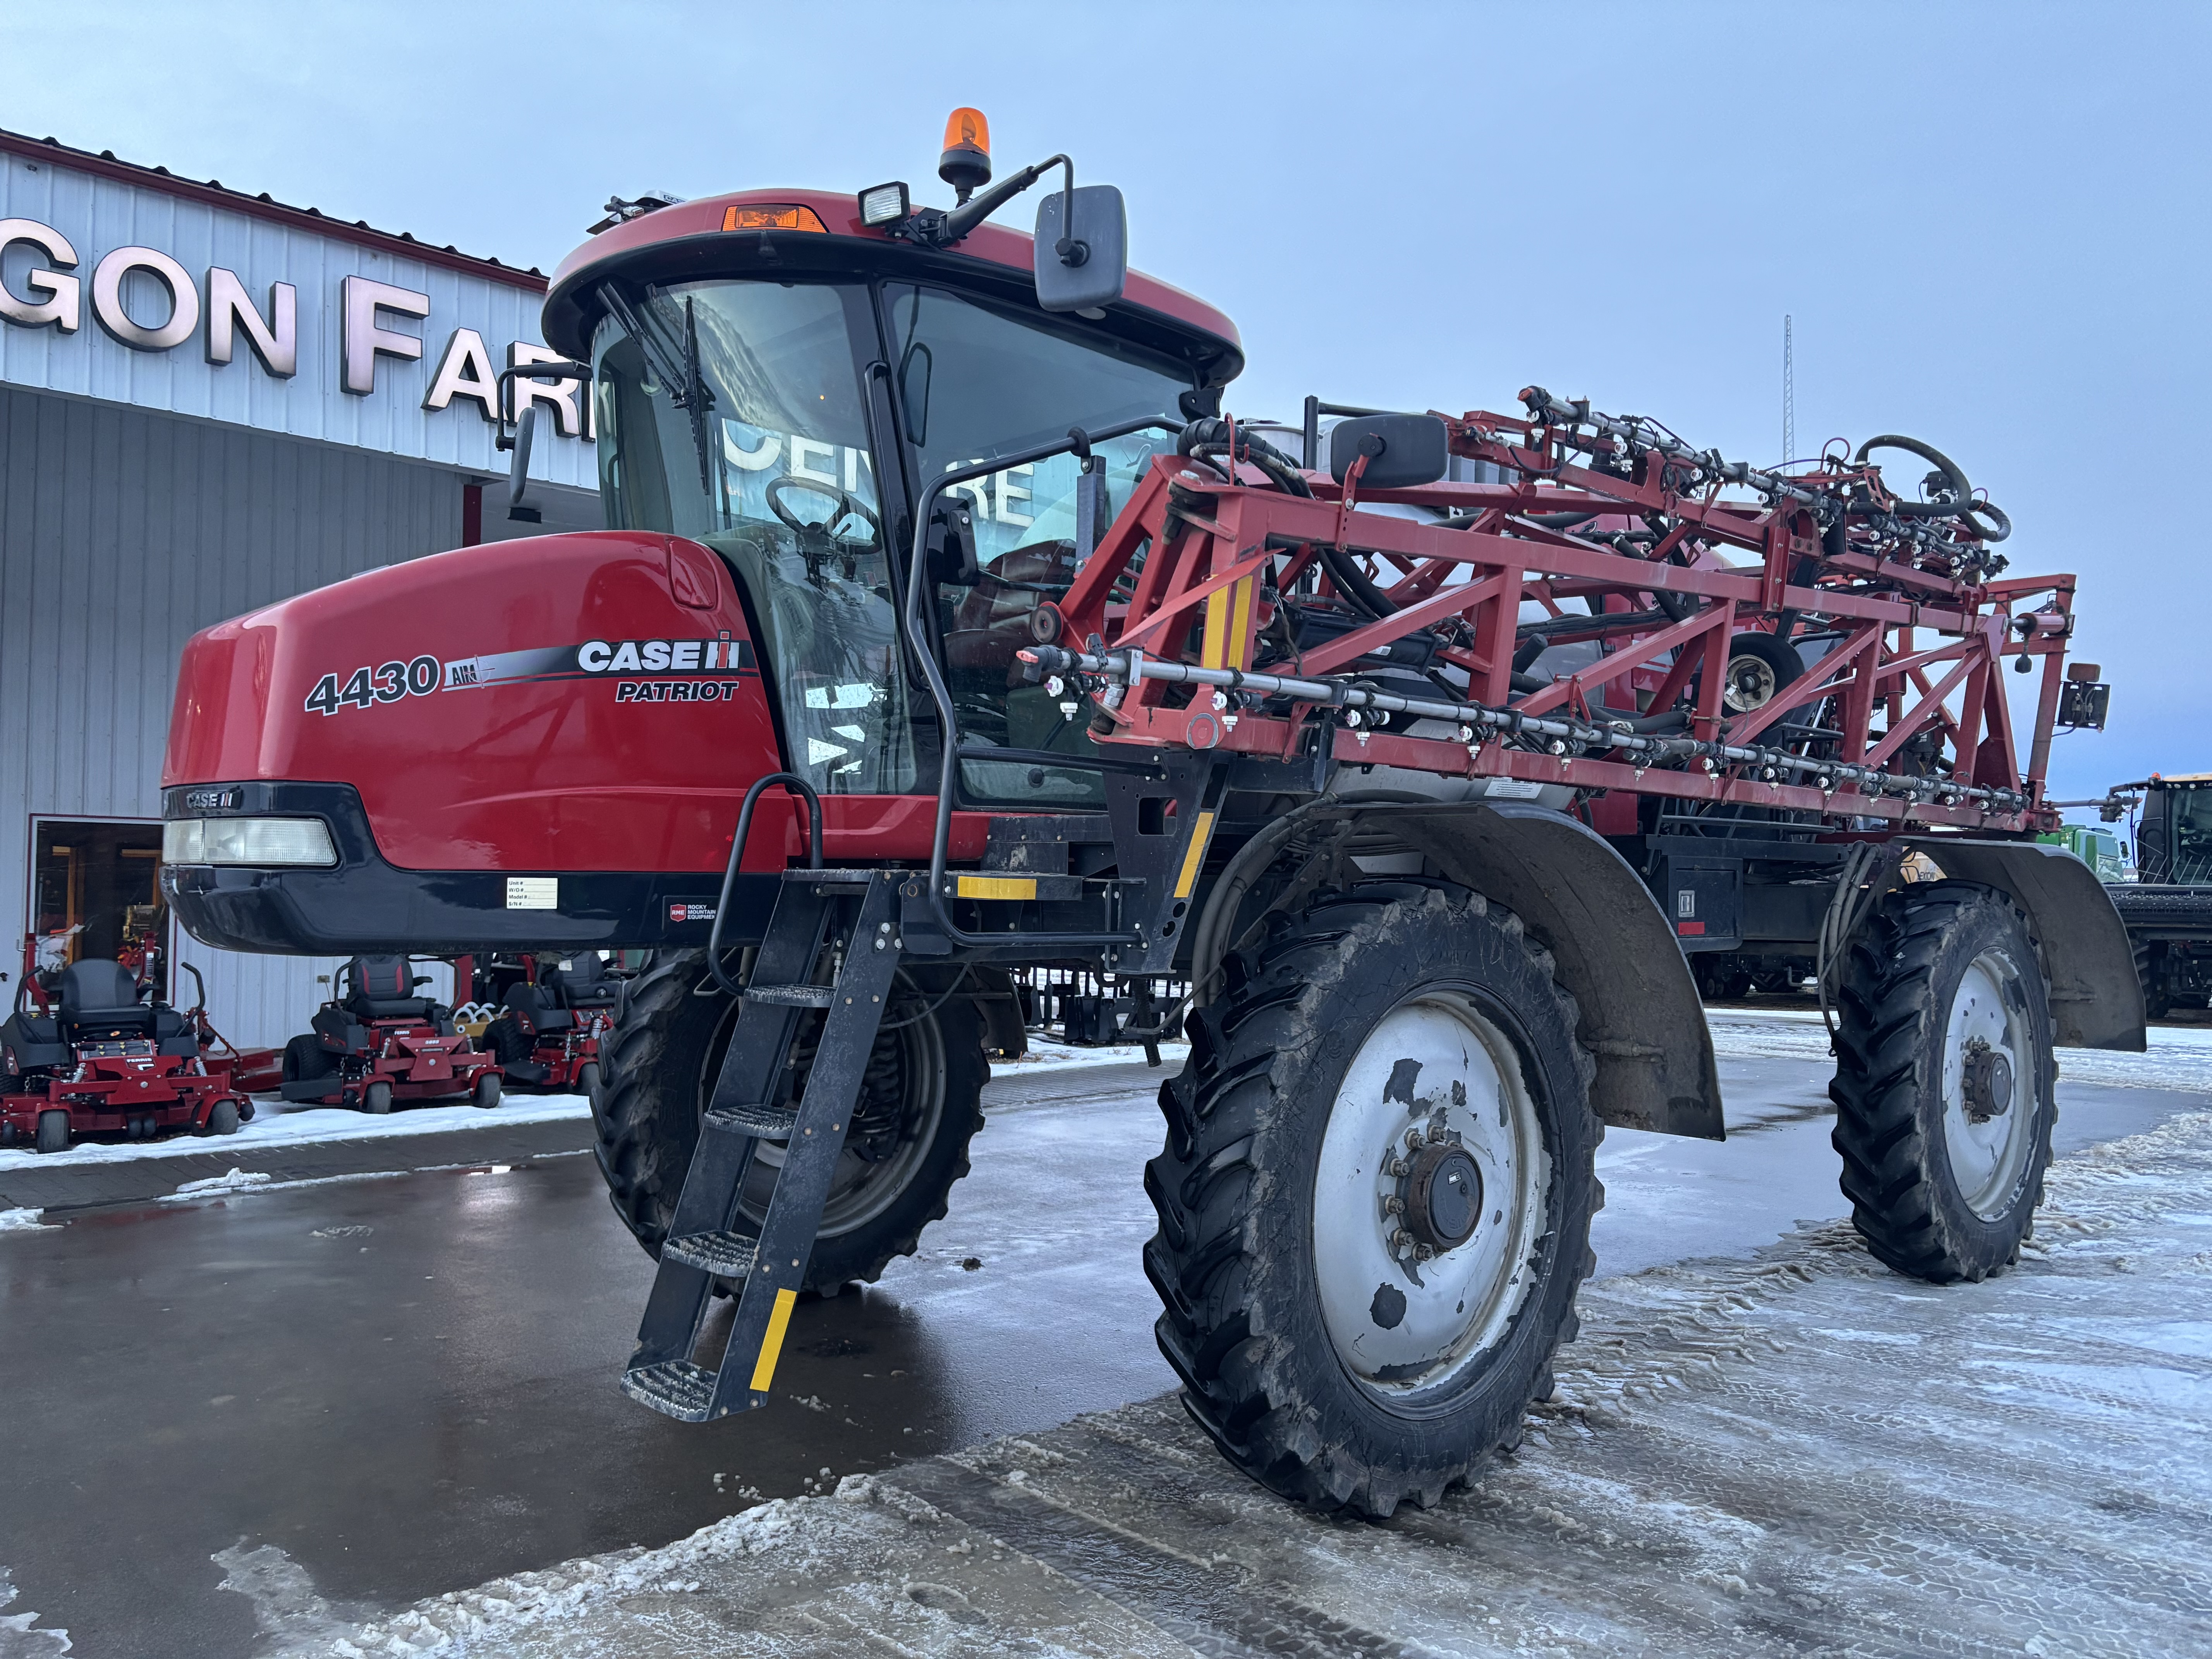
column 365, row 340
column 107, row 299
column 275, row 342
column 562, row 394
column 465, row 372
column 59, row 308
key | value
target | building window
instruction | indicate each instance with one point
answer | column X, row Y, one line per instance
column 96, row 893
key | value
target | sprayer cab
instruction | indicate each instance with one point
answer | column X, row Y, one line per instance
column 542, row 743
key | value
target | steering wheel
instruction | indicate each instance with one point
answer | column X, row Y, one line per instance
column 847, row 506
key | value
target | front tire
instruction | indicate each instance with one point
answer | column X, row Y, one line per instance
column 53, row 1131
column 376, row 1099
column 1378, row 1048
column 223, row 1118
column 1945, row 1082
column 921, row 1095
column 485, row 1095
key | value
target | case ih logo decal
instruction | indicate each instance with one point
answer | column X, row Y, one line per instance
column 672, row 671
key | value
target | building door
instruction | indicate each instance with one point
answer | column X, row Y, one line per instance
column 96, row 893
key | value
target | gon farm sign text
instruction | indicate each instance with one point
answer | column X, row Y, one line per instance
column 148, row 301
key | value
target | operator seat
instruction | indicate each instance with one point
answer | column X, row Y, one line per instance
column 95, row 998
column 993, row 620
column 545, row 1005
column 383, row 987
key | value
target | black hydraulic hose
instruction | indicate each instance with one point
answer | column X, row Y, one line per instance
column 1999, row 525
column 1962, row 493
column 791, row 781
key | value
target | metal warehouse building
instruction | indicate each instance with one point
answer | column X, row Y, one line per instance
column 209, row 401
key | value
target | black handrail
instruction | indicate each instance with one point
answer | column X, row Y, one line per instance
column 1076, row 442
column 790, row 781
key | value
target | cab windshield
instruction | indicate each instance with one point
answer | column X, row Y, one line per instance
column 734, row 413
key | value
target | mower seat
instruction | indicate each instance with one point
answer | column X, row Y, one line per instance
column 33, row 1042
column 383, row 987
column 102, row 996
column 582, row 984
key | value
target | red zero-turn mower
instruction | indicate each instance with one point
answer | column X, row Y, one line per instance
column 553, row 1021
column 82, row 1055
column 380, row 1042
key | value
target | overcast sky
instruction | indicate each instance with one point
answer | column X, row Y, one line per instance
column 1988, row 222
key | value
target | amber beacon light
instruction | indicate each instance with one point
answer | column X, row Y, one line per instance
column 966, row 163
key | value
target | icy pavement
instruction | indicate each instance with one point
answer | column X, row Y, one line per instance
column 1803, row 1454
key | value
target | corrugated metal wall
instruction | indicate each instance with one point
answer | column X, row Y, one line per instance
column 121, row 533
column 99, row 214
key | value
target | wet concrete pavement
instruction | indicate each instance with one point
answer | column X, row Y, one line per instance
column 406, row 1384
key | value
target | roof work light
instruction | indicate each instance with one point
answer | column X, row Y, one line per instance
column 883, row 204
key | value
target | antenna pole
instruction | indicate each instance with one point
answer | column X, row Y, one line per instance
column 1789, row 394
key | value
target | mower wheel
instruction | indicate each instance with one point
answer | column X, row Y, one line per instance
column 507, row 1040
column 486, row 1094
column 305, row 1057
column 53, row 1131
column 376, row 1099
column 223, row 1118
column 1945, row 1081
column 924, row 1079
column 1375, row 1196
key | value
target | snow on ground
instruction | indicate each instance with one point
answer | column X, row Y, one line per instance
column 1800, row 1453
column 16, row 1221
column 2178, row 1057
column 18, row 1640
column 276, row 1123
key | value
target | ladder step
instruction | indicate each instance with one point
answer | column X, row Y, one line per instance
column 831, row 877
column 762, row 1122
column 724, row 1255
column 789, row 996
column 674, row 1388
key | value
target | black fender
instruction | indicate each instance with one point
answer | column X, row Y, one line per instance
column 2096, row 1000
column 1614, row 950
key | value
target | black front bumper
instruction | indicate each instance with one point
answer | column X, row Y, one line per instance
column 366, row 904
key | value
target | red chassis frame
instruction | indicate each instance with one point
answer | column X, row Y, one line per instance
column 1215, row 552
column 411, row 1056
column 115, row 1081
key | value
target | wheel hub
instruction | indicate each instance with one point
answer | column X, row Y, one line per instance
column 1985, row 1080
column 1442, row 1194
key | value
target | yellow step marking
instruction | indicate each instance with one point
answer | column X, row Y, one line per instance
column 1195, row 857
column 997, row 887
column 778, row 1321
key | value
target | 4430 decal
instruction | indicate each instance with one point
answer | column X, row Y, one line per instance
column 366, row 687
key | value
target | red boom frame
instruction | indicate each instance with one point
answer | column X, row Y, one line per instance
column 1200, row 552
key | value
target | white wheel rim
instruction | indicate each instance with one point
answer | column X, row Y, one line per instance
column 1458, row 1304
column 1987, row 1158
column 1750, row 683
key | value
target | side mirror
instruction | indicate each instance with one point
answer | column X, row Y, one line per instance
column 517, row 468
column 952, row 545
column 1082, row 254
column 1403, row 450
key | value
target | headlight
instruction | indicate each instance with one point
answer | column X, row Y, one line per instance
column 247, row 841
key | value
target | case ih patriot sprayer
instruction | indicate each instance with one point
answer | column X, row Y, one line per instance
column 944, row 626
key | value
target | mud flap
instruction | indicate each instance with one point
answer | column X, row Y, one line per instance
column 1641, row 1018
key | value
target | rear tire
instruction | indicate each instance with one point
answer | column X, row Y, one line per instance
column 1942, row 980
column 53, row 1131
column 507, row 1040
column 305, row 1057
column 659, row 1064
column 486, row 1093
column 376, row 1099
column 1288, row 1138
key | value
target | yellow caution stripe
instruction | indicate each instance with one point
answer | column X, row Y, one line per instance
column 778, row 1321
column 1196, row 857
column 997, row 887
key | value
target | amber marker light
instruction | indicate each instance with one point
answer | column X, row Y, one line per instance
column 773, row 218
